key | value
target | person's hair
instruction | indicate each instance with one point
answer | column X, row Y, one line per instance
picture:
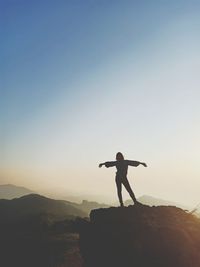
column 119, row 156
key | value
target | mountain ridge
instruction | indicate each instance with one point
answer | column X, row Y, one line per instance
column 34, row 204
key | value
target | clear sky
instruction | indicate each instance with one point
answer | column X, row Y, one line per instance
column 82, row 80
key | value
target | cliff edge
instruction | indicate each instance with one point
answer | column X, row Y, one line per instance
column 141, row 236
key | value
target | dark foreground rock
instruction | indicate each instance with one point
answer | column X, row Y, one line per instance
column 140, row 236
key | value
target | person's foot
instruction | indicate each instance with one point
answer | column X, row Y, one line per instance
column 122, row 205
column 137, row 203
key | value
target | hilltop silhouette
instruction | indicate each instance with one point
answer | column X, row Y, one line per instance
column 33, row 205
column 140, row 236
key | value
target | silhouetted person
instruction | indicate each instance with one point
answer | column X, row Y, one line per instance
column 121, row 175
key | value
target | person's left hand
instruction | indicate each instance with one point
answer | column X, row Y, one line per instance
column 144, row 164
column 100, row 165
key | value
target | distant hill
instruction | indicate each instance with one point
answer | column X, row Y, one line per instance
column 87, row 206
column 9, row 191
column 152, row 201
column 33, row 205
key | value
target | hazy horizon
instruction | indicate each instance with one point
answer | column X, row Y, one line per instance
column 79, row 198
column 83, row 80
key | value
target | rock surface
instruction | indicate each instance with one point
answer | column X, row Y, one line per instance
column 141, row 236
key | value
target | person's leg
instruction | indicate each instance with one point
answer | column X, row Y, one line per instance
column 119, row 191
column 130, row 191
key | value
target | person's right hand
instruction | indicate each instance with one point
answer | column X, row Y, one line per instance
column 100, row 165
column 144, row 164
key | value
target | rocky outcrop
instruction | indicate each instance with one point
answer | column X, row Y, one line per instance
column 140, row 236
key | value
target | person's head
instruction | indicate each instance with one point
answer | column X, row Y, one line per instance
column 119, row 156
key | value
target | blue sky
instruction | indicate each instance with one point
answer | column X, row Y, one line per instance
column 81, row 80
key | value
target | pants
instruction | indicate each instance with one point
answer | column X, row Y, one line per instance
column 125, row 182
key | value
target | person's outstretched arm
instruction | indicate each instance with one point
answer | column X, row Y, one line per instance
column 108, row 164
column 136, row 163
